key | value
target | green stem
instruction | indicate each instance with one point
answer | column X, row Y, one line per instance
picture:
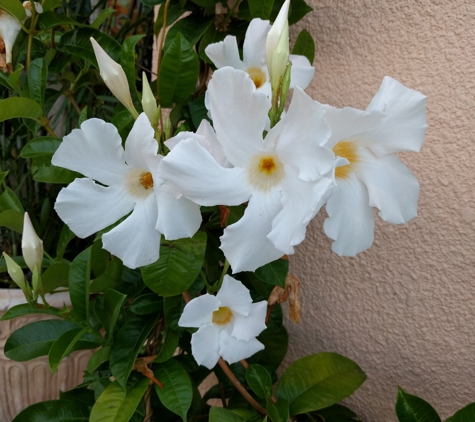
column 34, row 17
column 225, row 270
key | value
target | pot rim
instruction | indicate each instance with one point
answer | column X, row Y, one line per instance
column 12, row 297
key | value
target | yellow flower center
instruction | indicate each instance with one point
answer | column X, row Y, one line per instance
column 146, row 180
column 257, row 75
column 266, row 171
column 222, row 316
column 139, row 183
column 345, row 149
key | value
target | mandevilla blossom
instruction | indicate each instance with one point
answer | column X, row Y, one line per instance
column 228, row 324
column 373, row 175
column 9, row 29
column 226, row 53
column 31, row 245
column 132, row 184
column 280, row 176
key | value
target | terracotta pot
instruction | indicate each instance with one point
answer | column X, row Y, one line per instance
column 26, row 383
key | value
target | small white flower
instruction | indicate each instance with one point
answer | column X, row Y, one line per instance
column 371, row 174
column 226, row 53
column 228, row 324
column 149, row 103
column 129, row 181
column 114, row 77
column 31, row 245
column 277, row 175
column 9, row 29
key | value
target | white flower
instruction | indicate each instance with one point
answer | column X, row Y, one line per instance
column 226, row 53
column 372, row 174
column 149, row 103
column 114, row 77
column 27, row 5
column 228, row 324
column 132, row 184
column 9, row 29
column 280, row 176
column 31, row 245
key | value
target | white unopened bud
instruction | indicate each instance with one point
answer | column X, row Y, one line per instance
column 31, row 245
column 114, row 77
column 149, row 103
column 9, row 30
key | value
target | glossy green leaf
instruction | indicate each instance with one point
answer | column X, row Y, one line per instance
column 37, row 75
column 12, row 219
column 14, row 107
column 410, row 408
column 260, row 8
column 318, row 381
column 35, row 339
column 149, row 303
column 14, row 8
column 110, row 279
column 27, row 309
column 173, row 13
column 337, row 413
column 192, row 28
column 178, row 72
column 63, row 346
column 260, row 381
column 40, row 146
column 79, row 281
column 127, row 344
column 170, row 343
column 278, row 411
column 274, row 272
column 14, row 80
column 113, row 301
column 65, row 236
column 101, row 17
column 467, row 414
column 218, row 414
column 55, row 411
column 127, row 59
column 173, row 308
column 56, row 275
column 50, row 4
column 3, row 174
column 179, row 264
column 211, row 36
column 118, row 405
column 44, row 171
column 48, row 20
column 198, row 110
column 98, row 358
column 177, row 393
column 9, row 201
column 4, row 81
column 305, row 46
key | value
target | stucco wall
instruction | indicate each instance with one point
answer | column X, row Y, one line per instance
column 404, row 309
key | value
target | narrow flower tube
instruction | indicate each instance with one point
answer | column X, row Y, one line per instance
column 31, row 245
column 9, row 30
column 149, row 103
column 114, row 77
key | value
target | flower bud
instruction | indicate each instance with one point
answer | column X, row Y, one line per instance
column 149, row 103
column 9, row 30
column 27, row 6
column 31, row 245
column 114, row 77
column 15, row 272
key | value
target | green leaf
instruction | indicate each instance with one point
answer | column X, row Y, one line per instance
column 274, row 272
column 152, row 2
column 127, row 344
column 127, row 60
column 40, row 146
column 337, row 413
column 177, row 392
column 14, row 80
column 14, row 107
column 172, row 309
column 113, row 301
column 318, row 381
column 55, row 411
column 12, row 219
column 65, row 237
column 27, row 309
column 260, row 8
column 122, row 119
column 110, row 279
column 79, row 281
column 278, row 411
column 37, row 75
column 170, row 343
column 298, row 9
column 3, row 174
column 178, row 72
column 35, row 339
column 15, row 8
column 211, row 36
column 173, row 13
column 98, row 358
column 101, row 17
column 78, row 43
column 44, row 171
column 467, row 414
column 198, row 110
column 179, row 264
column 9, row 201
column 56, row 275
column 50, row 5
column 49, row 20
column 118, row 405
column 260, row 381
column 205, row 3
column 192, row 28
column 149, row 303
column 218, row 414
column 305, row 46
column 63, row 346
column 411, row 408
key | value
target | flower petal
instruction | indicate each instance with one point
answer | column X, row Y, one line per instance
column 245, row 243
column 351, row 220
column 247, row 327
column 254, row 48
column 192, row 171
column 141, row 147
column 135, row 241
column 87, row 207
column 404, row 126
column 233, row 350
column 391, row 186
column 299, row 136
column 199, row 311
column 177, row 218
column 299, row 205
column 239, row 114
column 235, row 296
column 301, row 72
column 205, row 346
column 95, row 151
column 225, row 53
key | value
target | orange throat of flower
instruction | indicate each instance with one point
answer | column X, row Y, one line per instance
column 345, row 149
column 257, row 75
column 222, row 316
column 265, row 171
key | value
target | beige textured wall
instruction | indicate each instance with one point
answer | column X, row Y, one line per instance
column 404, row 309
